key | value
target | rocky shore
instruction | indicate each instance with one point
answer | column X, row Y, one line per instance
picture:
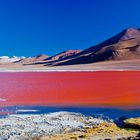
column 61, row 126
column 103, row 131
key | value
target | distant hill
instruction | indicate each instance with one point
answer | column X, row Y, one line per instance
column 60, row 57
column 8, row 60
column 46, row 60
column 64, row 55
column 32, row 60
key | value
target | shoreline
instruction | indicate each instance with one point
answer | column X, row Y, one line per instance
column 85, row 110
column 123, row 65
column 61, row 125
column 101, row 70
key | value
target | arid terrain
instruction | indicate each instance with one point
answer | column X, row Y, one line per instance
column 100, row 66
column 120, row 52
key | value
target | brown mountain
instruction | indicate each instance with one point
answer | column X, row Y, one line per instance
column 60, row 57
column 64, row 55
column 123, row 46
column 32, row 60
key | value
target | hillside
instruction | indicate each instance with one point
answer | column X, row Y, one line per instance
column 123, row 46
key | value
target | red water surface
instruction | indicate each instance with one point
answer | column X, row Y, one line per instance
column 115, row 88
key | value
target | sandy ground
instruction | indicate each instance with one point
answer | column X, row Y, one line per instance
column 100, row 66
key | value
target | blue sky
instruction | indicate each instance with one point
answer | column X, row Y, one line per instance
column 31, row 27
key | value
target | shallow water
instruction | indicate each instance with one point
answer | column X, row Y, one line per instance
column 113, row 94
column 112, row 113
column 115, row 88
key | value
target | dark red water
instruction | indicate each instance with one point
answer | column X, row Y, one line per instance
column 118, row 88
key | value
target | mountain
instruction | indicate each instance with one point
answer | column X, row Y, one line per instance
column 41, row 59
column 60, row 57
column 64, row 55
column 123, row 46
column 8, row 60
column 32, row 60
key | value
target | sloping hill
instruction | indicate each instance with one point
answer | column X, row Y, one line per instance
column 60, row 57
column 123, row 46
column 32, row 60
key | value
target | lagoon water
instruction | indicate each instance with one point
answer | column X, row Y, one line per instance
column 105, row 112
column 111, row 93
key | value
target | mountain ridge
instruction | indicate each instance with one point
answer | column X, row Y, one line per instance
column 123, row 46
column 111, row 49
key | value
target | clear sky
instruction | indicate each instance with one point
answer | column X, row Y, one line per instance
column 31, row 27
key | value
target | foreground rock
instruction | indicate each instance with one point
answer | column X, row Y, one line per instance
column 62, row 126
column 24, row 127
column 132, row 123
column 103, row 131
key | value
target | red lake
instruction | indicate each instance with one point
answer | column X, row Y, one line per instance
column 104, row 88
